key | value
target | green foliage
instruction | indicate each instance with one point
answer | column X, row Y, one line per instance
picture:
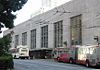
column 4, row 45
column 7, row 7
column 6, row 57
column 6, row 61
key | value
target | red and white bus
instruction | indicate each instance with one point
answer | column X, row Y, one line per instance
column 64, row 54
column 87, row 55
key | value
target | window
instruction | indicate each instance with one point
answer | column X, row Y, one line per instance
column 33, row 39
column 58, row 34
column 16, row 40
column 76, row 30
column 24, row 38
column 44, row 37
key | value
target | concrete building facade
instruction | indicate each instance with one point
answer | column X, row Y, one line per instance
column 76, row 23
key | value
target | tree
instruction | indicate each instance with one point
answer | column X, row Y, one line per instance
column 5, row 44
column 7, row 7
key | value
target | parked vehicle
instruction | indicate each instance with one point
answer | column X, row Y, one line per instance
column 87, row 55
column 20, row 52
column 14, row 52
column 64, row 54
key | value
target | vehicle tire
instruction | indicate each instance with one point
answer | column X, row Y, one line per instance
column 87, row 63
column 70, row 61
column 58, row 59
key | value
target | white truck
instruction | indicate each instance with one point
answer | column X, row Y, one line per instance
column 21, row 52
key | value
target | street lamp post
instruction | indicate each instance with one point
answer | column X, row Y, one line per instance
column 97, row 39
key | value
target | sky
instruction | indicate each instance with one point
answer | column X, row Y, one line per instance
column 25, row 13
column 28, row 9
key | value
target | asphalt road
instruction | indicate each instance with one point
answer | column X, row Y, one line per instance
column 42, row 64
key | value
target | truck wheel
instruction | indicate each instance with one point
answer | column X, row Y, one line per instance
column 87, row 64
column 71, row 61
column 58, row 59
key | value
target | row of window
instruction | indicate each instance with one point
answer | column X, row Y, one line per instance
column 75, row 29
column 58, row 36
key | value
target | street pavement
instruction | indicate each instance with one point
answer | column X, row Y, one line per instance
column 46, row 64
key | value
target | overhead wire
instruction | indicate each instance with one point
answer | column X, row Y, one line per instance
column 47, row 20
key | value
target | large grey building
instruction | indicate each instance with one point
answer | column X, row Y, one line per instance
column 76, row 23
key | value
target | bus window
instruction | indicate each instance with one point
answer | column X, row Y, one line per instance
column 92, row 50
